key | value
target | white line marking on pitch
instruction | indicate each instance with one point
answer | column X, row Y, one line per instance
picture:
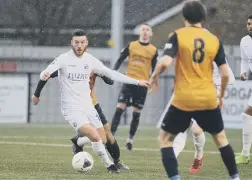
column 68, row 137
column 68, row 145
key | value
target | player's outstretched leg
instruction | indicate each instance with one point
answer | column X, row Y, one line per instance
column 199, row 142
column 133, row 128
column 111, row 144
column 97, row 145
column 168, row 157
column 212, row 122
column 117, row 117
column 244, row 157
column 114, row 149
column 227, row 154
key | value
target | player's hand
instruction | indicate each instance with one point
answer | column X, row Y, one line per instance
column 46, row 76
column 35, row 100
column 244, row 76
column 221, row 102
column 144, row 83
column 153, row 85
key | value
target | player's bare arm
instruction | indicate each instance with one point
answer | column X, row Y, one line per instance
column 224, row 82
column 170, row 51
column 92, row 80
column 220, row 60
column 161, row 66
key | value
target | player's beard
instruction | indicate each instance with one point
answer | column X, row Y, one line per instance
column 78, row 52
column 250, row 32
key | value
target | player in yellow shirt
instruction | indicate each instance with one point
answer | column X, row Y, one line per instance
column 194, row 90
column 142, row 58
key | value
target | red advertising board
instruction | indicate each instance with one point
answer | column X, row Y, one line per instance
column 8, row 66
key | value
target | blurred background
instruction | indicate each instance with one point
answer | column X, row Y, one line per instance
column 34, row 32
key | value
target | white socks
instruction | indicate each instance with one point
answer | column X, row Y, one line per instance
column 199, row 142
column 98, row 147
column 100, row 150
column 236, row 178
column 83, row 140
column 247, row 134
column 179, row 143
column 130, row 140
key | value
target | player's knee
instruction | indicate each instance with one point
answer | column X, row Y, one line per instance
column 221, row 139
column 101, row 137
column 104, row 140
column 90, row 132
column 196, row 130
column 165, row 139
column 94, row 137
column 121, row 106
column 137, row 110
column 163, row 143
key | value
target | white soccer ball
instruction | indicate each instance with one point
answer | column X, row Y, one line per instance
column 82, row 162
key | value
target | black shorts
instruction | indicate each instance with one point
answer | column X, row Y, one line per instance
column 176, row 120
column 101, row 115
column 133, row 95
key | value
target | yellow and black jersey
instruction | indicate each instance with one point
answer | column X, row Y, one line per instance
column 194, row 50
column 142, row 58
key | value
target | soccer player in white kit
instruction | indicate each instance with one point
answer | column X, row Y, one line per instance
column 74, row 68
column 246, row 66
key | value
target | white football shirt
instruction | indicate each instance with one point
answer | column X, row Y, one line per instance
column 74, row 73
column 246, row 54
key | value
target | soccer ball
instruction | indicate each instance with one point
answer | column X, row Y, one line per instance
column 82, row 162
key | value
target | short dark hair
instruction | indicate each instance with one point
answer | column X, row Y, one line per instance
column 194, row 12
column 79, row 32
column 250, row 17
column 146, row 24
